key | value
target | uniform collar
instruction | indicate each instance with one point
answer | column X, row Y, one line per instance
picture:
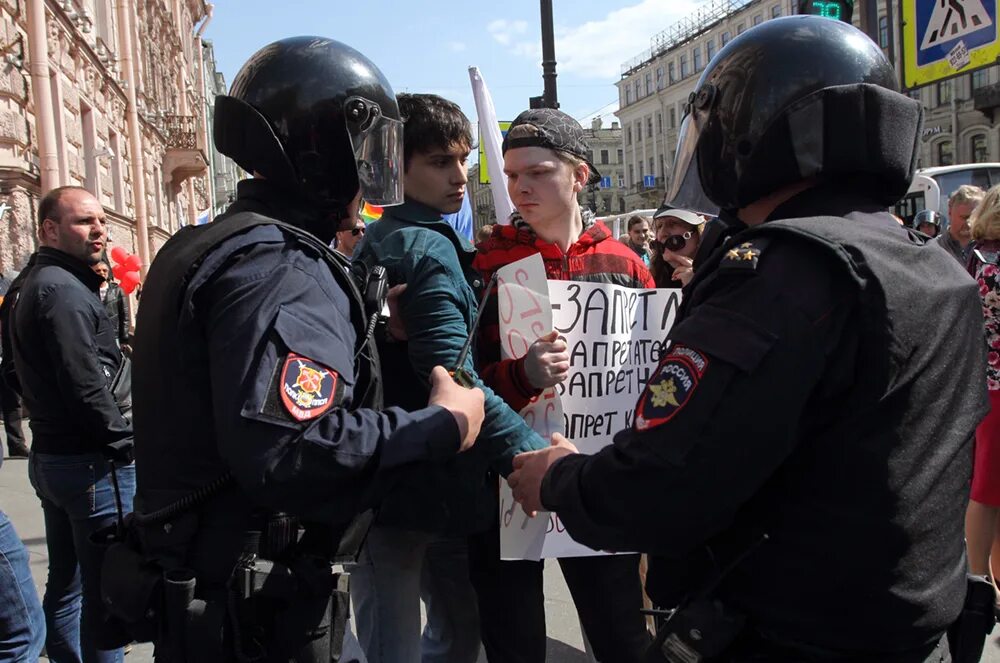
column 825, row 199
column 284, row 206
column 81, row 270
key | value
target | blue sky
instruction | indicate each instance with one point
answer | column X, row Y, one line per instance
column 428, row 45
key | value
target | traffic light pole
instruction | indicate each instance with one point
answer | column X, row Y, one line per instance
column 549, row 97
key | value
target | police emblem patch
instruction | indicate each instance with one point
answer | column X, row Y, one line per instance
column 307, row 387
column 670, row 387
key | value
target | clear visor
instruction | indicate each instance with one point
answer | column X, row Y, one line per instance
column 685, row 189
column 378, row 156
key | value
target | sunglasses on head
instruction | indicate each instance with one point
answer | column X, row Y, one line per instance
column 674, row 242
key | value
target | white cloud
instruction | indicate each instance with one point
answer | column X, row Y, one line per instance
column 456, row 46
column 504, row 31
column 597, row 49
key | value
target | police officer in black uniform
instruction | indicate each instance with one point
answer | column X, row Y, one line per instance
column 256, row 395
column 799, row 461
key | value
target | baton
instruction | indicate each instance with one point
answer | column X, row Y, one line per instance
column 458, row 373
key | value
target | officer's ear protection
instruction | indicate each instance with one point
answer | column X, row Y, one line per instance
column 242, row 133
column 807, row 140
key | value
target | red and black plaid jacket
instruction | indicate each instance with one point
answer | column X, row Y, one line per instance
column 596, row 257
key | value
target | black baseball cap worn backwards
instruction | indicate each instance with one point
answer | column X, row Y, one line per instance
column 556, row 131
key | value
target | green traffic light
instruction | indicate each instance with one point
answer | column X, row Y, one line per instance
column 839, row 10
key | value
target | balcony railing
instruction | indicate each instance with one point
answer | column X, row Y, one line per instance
column 180, row 132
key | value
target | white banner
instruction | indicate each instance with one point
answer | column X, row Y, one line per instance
column 615, row 336
column 493, row 142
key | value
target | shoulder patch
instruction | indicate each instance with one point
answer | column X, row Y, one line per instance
column 744, row 256
column 307, row 388
column 670, row 387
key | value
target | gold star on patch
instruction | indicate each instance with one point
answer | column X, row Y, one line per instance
column 746, row 245
column 663, row 393
column 749, row 255
column 733, row 254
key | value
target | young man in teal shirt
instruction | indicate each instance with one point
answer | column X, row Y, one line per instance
column 417, row 549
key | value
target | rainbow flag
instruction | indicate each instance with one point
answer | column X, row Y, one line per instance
column 370, row 213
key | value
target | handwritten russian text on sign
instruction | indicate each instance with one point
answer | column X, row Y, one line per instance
column 615, row 336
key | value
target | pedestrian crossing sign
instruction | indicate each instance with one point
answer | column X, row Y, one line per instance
column 943, row 38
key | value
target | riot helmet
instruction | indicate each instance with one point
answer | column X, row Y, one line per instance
column 792, row 99
column 318, row 118
column 928, row 222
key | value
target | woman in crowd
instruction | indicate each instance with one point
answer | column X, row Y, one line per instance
column 545, row 162
column 678, row 233
column 984, row 503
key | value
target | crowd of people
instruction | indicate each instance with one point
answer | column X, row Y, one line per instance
column 298, row 421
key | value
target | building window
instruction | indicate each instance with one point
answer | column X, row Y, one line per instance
column 621, row 205
column 638, row 90
column 883, row 31
column 726, row 36
column 659, row 78
column 944, row 153
column 740, row 28
column 649, row 127
column 621, row 156
column 628, row 94
column 979, row 150
column 659, row 123
column 673, row 118
column 638, row 131
column 710, row 49
column 944, row 93
column 662, row 171
column 649, row 83
column 628, row 135
column 604, row 157
column 758, row 19
column 684, row 66
column 980, row 79
column 776, row 11
column 651, row 171
column 697, row 58
column 671, row 73
column 631, row 174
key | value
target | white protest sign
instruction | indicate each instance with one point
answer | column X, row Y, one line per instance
column 615, row 336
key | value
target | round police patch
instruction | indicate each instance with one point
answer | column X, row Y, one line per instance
column 667, row 391
column 307, row 387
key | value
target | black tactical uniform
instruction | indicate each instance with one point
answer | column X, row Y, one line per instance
column 257, row 441
column 810, row 427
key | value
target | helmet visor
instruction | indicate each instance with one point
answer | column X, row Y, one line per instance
column 378, row 157
column 686, row 191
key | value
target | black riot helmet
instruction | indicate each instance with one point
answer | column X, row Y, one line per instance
column 317, row 117
column 791, row 99
column 928, row 217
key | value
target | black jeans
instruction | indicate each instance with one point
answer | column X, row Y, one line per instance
column 606, row 590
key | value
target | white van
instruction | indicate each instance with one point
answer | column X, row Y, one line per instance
column 932, row 186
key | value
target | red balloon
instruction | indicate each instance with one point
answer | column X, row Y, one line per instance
column 133, row 262
column 118, row 254
column 119, row 271
column 129, row 281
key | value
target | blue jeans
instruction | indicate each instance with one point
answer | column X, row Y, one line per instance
column 396, row 570
column 22, row 624
column 77, row 499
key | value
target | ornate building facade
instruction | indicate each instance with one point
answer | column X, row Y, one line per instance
column 108, row 95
